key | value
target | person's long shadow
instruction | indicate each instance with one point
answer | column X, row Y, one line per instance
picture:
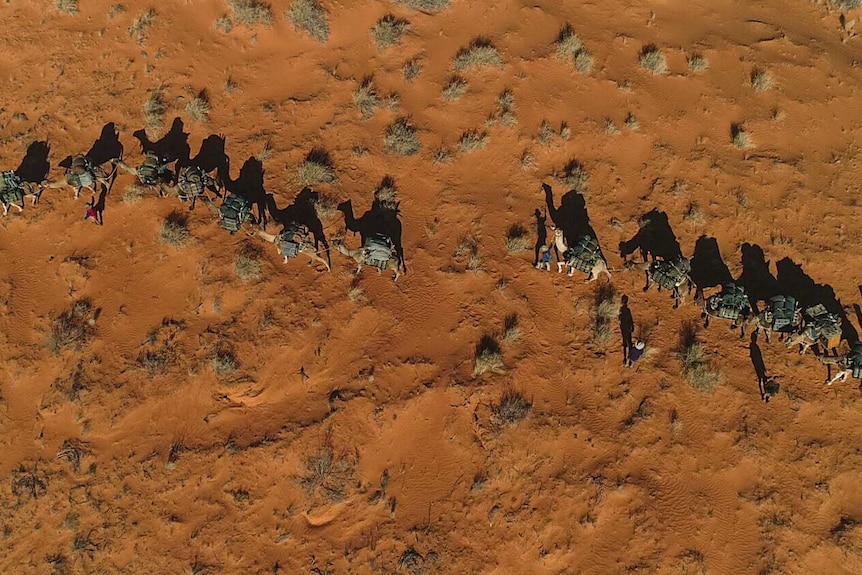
column 249, row 185
column 302, row 211
column 382, row 218
column 212, row 155
column 172, row 146
column 795, row 282
column 759, row 366
column 655, row 237
column 707, row 267
column 758, row 281
column 99, row 206
column 107, row 147
column 571, row 216
column 35, row 165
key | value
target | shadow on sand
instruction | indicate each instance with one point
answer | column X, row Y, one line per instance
column 35, row 165
column 172, row 146
column 571, row 216
column 707, row 267
column 382, row 218
column 654, row 238
column 249, row 185
column 301, row 211
column 758, row 281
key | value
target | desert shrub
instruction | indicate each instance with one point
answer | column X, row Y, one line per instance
column 133, row 194
column 154, row 111
column 740, row 137
column 565, row 131
column 472, row 140
column 251, row 13
column 223, row 24
column 574, row 176
column 141, row 24
column 175, row 230
column 605, row 309
column 512, row 408
column 511, row 331
column 455, row 87
column 546, row 132
column 230, row 85
column 327, row 471
column 247, row 267
column 389, row 30
column 224, row 361
column 517, row 238
column 72, row 328
column 199, row 107
column 505, row 112
column 693, row 214
column 696, row 367
column 583, row 61
column 310, row 16
column 441, row 156
column 386, row 194
column 365, row 98
column 487, row 356
column 67, row 6
column 697, row 63
column 760, row 80
column 401, row 138
column 527, row 160
column 610, row 127
column 468, row 250
column 425, row 5
column 652, row 59
column 481, row 52
column 412, row 69
column 631, row 122
column 847, row 4
column 316, row 169
column 567, row 42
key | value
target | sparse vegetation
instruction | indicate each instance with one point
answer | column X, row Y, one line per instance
column 740, row 137
column 632, row 122
column 487, row 357
column 468, row 248
column 251, row 13
column 142, row 23
column 425, row 5
column 160, row 350
column 230, row 85
column 693, row 214
column 316, row 169
column 386, row 194
column 652, row 59
column 72, row 328
column 760, row 80
column 310, row 16
column 67, row 6
column 133, row 194
column 480, row 53
column 517, row 238
column 441, row 156
column 605, row 309
column 696, row 368
column 583, row 61
column 512, row 408
column 327, row 471
column 455, row 87
column 472, row 140
column 574, row 176
column 565, row 131
column 697, row 63
column 223, row 24
column 224, row 361
column 73, row 451
column 389, row 30
column 527, row 160
column 175, row 230
column 199, row 107
column 546, row 132
column 401, row 138
column 611, row 128
column 154, row 112
column 505, row 112
column 847, row 4
column 115, row 10
column 511, row 331
column 568, row 42
column 247, row 266
column 365, row 98
column 412, row 69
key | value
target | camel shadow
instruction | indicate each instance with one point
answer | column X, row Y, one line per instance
column 249, row 185
column 759, row 283
column 707, row 267
column 382, row 218
column 107, row 147
column 571, row 216
column 172, row 146
column 301, row 211
column 655, row 237
column 212, row 155
column 35, row 165
column 795, row 282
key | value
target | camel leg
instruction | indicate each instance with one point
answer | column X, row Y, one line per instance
column 560, row 267
column 676, row 296
column 121, row 165
column 647, row 284
column 841, row 375
column 20, row 208
column 5, row 209
column 705, row 320
column 768, row 333
column 394, row 267
column 315, row 257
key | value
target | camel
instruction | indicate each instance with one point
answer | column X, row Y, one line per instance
column 235, row 211
column 731, row 303
column 666, row 274
column 849, row 364
column 292, row 241
column 377, row 251
column 821, row 327
column 80, row 174
column 13, row 191
column 781, row 315
column 153, row 172
column 585, row 255
column 192, row 183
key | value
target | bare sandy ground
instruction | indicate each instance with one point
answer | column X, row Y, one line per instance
column 388, row 456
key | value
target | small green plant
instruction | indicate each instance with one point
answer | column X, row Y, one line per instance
column 365, row 98
column 574, row 176
column 472, row 140
column 316, row 169
column 412, row 69
column 223, row 24
column 760, row 80
column 605, row 309
column 652, row 59
column 142, row 23
column 175, row 230
column 480, row 53
column 697, row 63
column 251, row 13
column 199, row 107
column 740, row 137
column 389, row 30
column 512, row 408
column 517, row 238
column 72, row 328
column 487, row 356
column 455, row 87
column 310, row 16
column 401, row 138
column 154, row 112
column 696, row 367
column 425, row 5
column 67, row 6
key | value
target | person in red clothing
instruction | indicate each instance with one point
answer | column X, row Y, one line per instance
column 93, row 213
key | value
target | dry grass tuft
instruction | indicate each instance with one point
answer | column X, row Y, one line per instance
column 740, row 137
column 611, row 128
column 425, row 5
column 310, row 16
column 583, row 61
column 760, row 80
column 652, row 59
column 224, row 361
column 247, row 267
column 175, row 230
column 329, row 472
column 697, row 63
column 154, row 112
column 517, row 238
column 468, row 248
column 631, row 122
column 696, row 368
column 568, row 44
column 505, row 112
column 575, row 176
column 441, row 156
column 480, row 53
column 133, row 194
column 386, row 194
column 251, row 13
column 199, row 107
column 389, row 30
column 511, row 331
column 546, row 133
column 142, row 23
column 455, row 87
column 316, row 169
column 512, row 408
column 230, row 85
column 847, row 4
column 472, row 140
column 223, row 24
column 365, row 98
column 527, row 160
column 115, row 10
column 605, row 310
column 401, row 138
column 67, row 6
column 72, row 328
column 412, row 69
column 487, row 357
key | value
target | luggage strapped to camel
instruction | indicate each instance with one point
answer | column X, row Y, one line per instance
column 11, row 188
column 152, row 168
column 234, row 212
column 731, row 302
column 781, row 313
column 292, row 239
column 670, row 274
column 81, row 172
column 855, row 357
column 192, row 181
column 377, row 251
column 584, row 254
column 823, row 325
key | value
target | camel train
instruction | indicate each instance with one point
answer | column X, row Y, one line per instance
column 576, row 245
